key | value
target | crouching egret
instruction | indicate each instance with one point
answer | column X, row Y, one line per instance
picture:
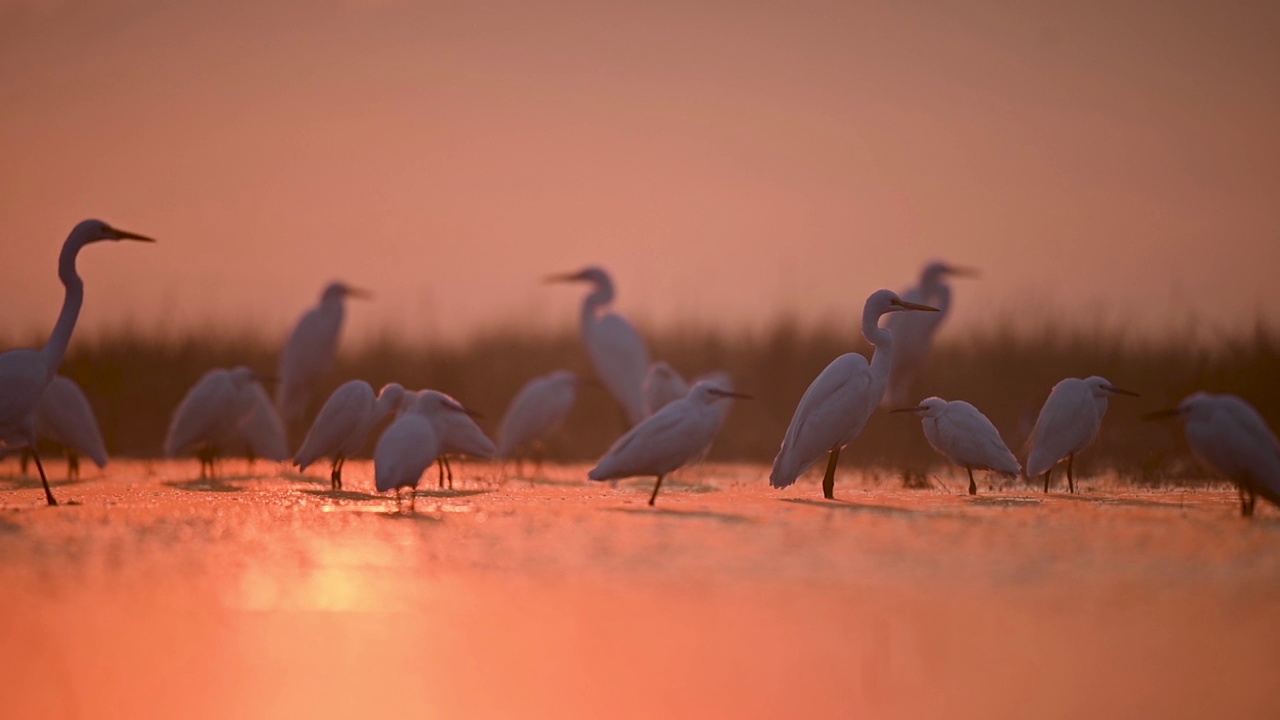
column 662, row 385
column 537, row 410
column 618, row 353
column 210, row 414
column 261, row 434
column 409, row 444
column 65, row 417
column 1230, row 437
column 666, row 440
column 309, row 352
column 1068, row 423
column 840, row 400
column 965, row 437
column 913, row 334
column 457, row 434
column 26, row 372
column 342, row 428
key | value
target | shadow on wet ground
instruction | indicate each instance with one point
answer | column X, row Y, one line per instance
column 848, row 506
column 216, row 485
column 662, row 512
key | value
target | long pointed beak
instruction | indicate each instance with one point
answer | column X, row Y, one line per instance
column 126, row 235
column 560, row 277
column 914, row 306
column 1121, row 391
column 1160, row 414
column 731, row 394
column 910, row 409
column 358, row 293
column 965, row 272
column 459, row 407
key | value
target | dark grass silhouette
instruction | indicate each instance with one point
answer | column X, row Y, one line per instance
column 135, row 380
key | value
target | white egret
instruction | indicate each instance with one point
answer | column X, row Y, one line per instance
column 618, row 353
column 409, row 445
column 261, row 434
column 65, row 417
column 537, row 410
column 26, row 372
column 666, row 440
column 662, row 385
column 1068, row 423
column 342, row 428
column 913, row 333
column 457, row 434
column 840, row 400
column 309, row 353
column 1231, row 438
column 210, row 414
column 965, row 437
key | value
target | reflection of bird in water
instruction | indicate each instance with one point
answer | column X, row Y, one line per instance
column 1068, row 423
column 840, row 400
column 965, row 437
column 26, row 372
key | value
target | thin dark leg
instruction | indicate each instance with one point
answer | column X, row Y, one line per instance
column 973, row 486
column 829, row 480
column 654, row 496
column 26, row 460
column 449, row 469
column 1071, row 482
column 48, row 494
column 413, row 496
column 440, row 467
column 1046, row 479
column 1247, row 504
column 73, row 465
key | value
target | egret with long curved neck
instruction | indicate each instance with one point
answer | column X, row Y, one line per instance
column 24, row 373
column 913, row 334
column 840, row 400
column 618, row 353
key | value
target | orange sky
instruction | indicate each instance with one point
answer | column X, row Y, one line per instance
column 728, row 163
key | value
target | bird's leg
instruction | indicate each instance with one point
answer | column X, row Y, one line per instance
column 440, row 467
column 973, row 487
column 73, row 465
column 25, row 460
column 654, row 496
column 397, row 499
column 829, row 480
column 1247, row 505
column 48, row 494
column 1046, row 479
column 1071, row 483
column 413, row 496
column 448, row 468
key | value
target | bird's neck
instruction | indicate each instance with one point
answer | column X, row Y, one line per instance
column 882, row 356
column 596, row 303
column 56, row 348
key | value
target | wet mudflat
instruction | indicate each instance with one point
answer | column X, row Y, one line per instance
column 263, row 594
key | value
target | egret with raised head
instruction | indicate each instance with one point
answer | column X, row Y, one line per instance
column 309, row 353
column 913, row 333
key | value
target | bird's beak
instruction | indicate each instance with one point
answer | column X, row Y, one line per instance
column 126, row 235
column 913, row 306
column 561, row 277
column 459, row 407
column 358, row 293
column 1121, row 391
column 1160, row 414
column 731, row 394
column 965, row 272
column 910, row 409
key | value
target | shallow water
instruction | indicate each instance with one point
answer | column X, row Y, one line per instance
column 153, row 594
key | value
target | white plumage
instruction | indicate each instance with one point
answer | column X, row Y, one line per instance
column 261, row 434
column 310, row 350
column 840, row 400
column 913, row 333
column 1068, row 423
column 457, row 434
column 966, row 437
column 662, row 385
column 344, row 424
column 409, row 445
column 65, row 417
column 210, row 414
column 666, row 440
column 618, row 353
column 25, row 372
column 537, row 410
column 1231, row 438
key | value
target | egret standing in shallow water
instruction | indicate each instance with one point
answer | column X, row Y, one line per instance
column 308, row 354
column 666, row 440
column 342, row 428
column 210, row 415
column 913, row 334
column 965, row 437
column 25, row 373
column 1068, row 423
column 840, row 400
column 409, row 445
column 536, row 411
column 457, row 434
column 1230, row 437
column 65, row 417
column 618, row 353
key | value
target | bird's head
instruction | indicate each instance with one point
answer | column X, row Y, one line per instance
column 434, row 402
column 89, row 231
column 935, row 271
column 929, row 407
column 887, row 301
column 707, row 392
column 1101, row 387
column 1193, row 405
column 337, row 291
column 592, row 274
